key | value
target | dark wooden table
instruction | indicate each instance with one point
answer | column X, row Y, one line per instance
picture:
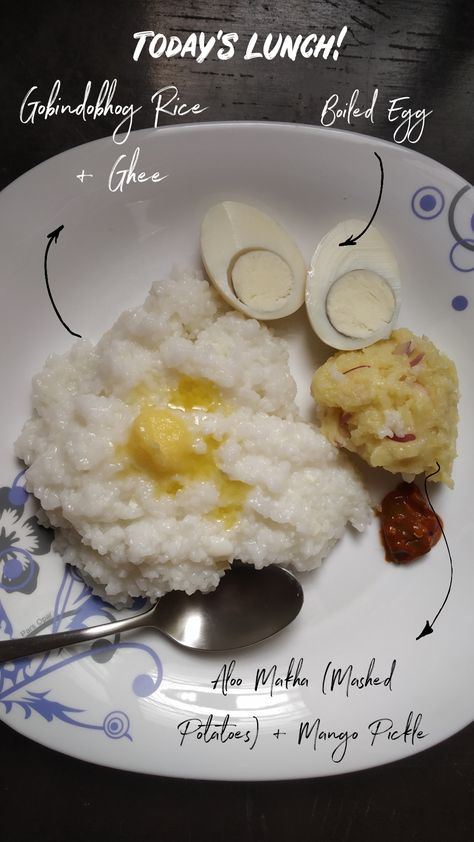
column 422, row 50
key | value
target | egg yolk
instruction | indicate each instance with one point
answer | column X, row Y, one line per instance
column 160, row 444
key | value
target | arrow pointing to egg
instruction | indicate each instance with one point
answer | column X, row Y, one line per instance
column 53, row 237
column 351, row 240
column 428, row 627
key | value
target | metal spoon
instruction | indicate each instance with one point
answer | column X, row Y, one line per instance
column 248, row 606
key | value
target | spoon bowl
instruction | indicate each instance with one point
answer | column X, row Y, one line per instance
column 247, row 607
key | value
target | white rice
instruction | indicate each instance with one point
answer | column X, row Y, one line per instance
column 126, row 539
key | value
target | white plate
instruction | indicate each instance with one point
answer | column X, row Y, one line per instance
column 124, row 707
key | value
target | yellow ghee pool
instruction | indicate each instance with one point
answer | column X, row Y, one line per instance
column 161, row 445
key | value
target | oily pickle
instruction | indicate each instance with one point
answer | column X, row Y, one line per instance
column 409, row 526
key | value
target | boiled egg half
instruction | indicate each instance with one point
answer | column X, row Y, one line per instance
column 252, row 261
column 353, row 291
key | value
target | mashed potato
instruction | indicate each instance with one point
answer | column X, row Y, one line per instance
column 173, row 446
column 394, row 403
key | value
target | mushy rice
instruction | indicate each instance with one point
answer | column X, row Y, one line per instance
column 134, row 533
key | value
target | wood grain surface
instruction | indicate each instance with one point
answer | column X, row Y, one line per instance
column 422, row 50
column 404, row 49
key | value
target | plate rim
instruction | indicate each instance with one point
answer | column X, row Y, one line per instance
column 259, row 125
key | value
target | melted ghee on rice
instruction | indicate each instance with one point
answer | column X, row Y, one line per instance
column 161, row 445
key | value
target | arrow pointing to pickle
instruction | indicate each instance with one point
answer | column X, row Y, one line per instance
column 428, row 627
column 351, row 240
column 54, row 237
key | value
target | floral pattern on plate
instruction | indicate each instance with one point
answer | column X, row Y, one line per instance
column 25, row 683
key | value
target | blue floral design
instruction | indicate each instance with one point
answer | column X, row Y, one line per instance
column 74, row 607
column 428, row 203
column 21, row 538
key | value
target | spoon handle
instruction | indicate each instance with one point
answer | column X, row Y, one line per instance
column 23, row 646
